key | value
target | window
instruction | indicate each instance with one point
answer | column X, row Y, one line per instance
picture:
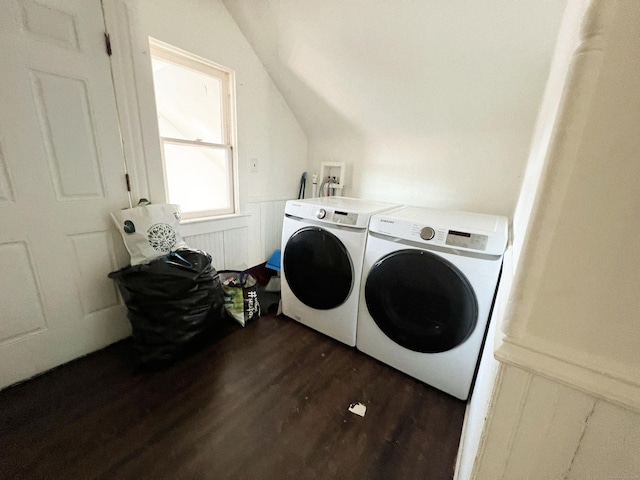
column 194, row 102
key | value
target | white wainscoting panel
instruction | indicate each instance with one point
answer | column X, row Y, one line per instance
column 266, row 229
column 255, row 245
column 610, row 445
column 228, row 248
column 213, row 244
column 236, row 248
column 537, row 428
column 244, row 244
column 553, row 420
column 271, row 218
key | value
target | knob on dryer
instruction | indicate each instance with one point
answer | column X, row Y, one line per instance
column 427, row 233
column 321, row 213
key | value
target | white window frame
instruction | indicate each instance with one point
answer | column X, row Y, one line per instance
column 184, row 59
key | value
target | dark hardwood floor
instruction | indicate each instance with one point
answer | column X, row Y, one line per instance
column 268, row 401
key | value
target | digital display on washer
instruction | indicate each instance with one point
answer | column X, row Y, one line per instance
column 466, row 240
column 345, row 218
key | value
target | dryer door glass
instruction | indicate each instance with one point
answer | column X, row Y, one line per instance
column 318, row 268
column 421, row 301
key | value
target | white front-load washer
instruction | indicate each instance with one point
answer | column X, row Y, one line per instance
column 323, row 242
column 429, row 281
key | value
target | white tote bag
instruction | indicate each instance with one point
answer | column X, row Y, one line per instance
column 150, row 231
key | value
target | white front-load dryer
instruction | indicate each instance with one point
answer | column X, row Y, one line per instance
column 429, row 281
column 323, row 242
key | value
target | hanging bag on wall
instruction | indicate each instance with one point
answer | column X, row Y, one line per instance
column 150, row 231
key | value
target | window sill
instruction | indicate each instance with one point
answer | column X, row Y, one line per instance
column 199, row 226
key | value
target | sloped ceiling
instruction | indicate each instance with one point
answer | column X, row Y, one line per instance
column 405, row 70
column 398, row 64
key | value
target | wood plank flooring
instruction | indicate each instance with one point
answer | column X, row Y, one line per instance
column 268, row 401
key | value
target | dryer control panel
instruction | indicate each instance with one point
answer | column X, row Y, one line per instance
column 463, row 231
column 453, row 238
column 467, row 240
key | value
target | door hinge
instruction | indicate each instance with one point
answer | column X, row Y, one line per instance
column 107, row 41
column 126, row 177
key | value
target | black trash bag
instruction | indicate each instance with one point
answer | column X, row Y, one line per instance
column 172, row 302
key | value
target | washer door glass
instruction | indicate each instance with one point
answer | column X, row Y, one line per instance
column 318, row 268
column 421, row 301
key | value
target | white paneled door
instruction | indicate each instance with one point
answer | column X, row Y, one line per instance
column 61, row 173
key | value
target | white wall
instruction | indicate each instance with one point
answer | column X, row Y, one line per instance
column 572, row 359
column 430, row 103
column 267, row 129
column 481, row 403
column 566, row 402
column 575, row 296
column 540, row 429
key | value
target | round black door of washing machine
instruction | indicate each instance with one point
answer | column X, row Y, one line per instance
column 421, row 301
column 318, row 268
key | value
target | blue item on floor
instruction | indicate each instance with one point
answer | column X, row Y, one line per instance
column 274, row 261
